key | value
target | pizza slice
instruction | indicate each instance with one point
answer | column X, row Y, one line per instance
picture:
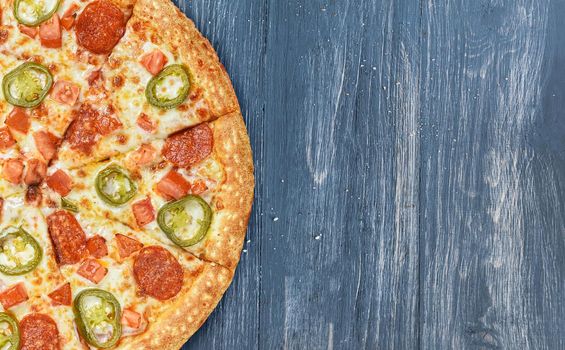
column 148, row 287
column 162, row 77
column 60, row 47
column 31, row 286
column 187, row 191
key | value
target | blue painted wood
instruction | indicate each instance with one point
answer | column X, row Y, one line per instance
column 410, row 167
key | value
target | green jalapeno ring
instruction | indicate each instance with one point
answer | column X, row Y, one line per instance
column 41, row 16
column 14, row 337
column 152, row 94
column 69, row 205
column 126, row 187
column 32, row 92
column 25, row 239
column 178, row 208
column 86, row 325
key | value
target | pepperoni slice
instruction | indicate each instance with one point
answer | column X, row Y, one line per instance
column 39, row 332
column 62, row 295
column 6, row 139
column 60, row 182
column 83, row 132
column 69, row 240
column 100, row 26
column 158, row 273
column 143, row 211
column 35, row 172
column 190, row 146
column 96, row 246
column 18, row 120
column 127, row 246
column 46, row 143
column 173, row 186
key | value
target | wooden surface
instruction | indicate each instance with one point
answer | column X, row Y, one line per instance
column 410, row 167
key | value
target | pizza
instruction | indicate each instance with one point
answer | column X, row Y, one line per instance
column 126, row 175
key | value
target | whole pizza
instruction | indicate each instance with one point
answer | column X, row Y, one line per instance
column 126, row 176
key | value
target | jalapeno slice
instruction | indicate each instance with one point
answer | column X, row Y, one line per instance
column 27, row 85
column 97, row 315
column 9, row 332
column 19, row 251
column 34, row 12
column 69, row 205
column 185, row 221
column 114, row 185
column 169, row 88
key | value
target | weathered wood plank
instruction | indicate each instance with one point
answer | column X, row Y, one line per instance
column 237, row 29
column 492, row 204
column 410, row 170
column 340, row 246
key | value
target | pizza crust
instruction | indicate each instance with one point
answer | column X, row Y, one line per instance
column 232, row 202
column 194, row 50
column 190, row 309
column 185, row 313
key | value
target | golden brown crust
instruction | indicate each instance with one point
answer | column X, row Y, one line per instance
column 232, row 201
column 194, row 50
column 184, row 314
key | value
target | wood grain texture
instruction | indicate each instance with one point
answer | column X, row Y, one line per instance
column 410, row 169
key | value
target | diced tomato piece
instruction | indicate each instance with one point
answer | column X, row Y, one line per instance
column 12, row 170
column 14, row 295
column 131, row 318
column 65, row 92
column 50, row 33
column 18, row 120
column 105, row 124
column 46, row 143
column 127, row 246
column 173, row 186
column 198, row 187
column 144, row 122
column 144, row 155
column 93, row 76
column 6, row 139
column 97, row 246
column 154, row 61
column 68, row 19
column 143, row 211
column 92, row 270
column 35, row 172
column 29, row 31
column 62, row 295
column 60, row 182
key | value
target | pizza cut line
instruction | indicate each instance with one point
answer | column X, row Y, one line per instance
column 126, row 175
